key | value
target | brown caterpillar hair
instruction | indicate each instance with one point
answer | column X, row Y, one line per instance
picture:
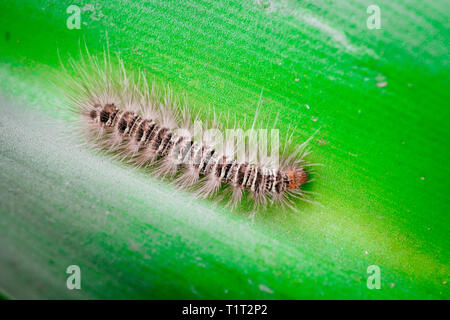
column 124, row 115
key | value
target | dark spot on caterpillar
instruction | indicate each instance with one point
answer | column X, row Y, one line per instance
column 258, row 180
column 140, row 133
column 123, row 125
column 220, row 165
column 249, row 175
column 104, row 116
column 278, row 182
column 151, row 132
column 126, row 121
column 159, row 138
column 277, row 187
column 219, row 169
column 93, row 114
column 168, row 146
column 165, row 143
column 113, row 118
column 142, row 129
column 207, row 159
column 227, row 169
column 241, row 173
column 269, row 181
column 134, row 126
column 108, row 114
column 133, row 121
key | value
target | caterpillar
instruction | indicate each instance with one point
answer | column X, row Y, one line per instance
column 121, row 113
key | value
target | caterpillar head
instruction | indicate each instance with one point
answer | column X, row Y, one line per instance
column 297, row 177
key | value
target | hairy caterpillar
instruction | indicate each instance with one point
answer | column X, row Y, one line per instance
column 123, row 114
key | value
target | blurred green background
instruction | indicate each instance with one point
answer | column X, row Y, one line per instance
column 379, row 96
